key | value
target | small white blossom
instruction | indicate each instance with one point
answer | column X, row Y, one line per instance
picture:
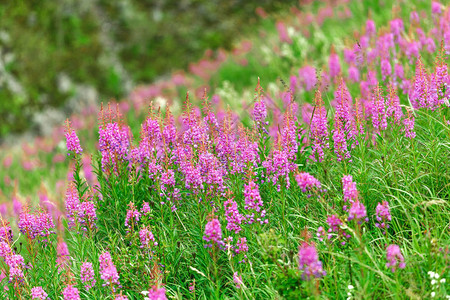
column 442, row 280
column 350, row 287
column 433, row 294
column 433, row 282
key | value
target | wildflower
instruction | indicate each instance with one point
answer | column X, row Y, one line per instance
column 146, row 237
column 72, row 141
column 72, row 204
column 378, row 110
column 237, row 279
column 309, row 262
column 350, row 191
column 318, row 128
column 395, row 258
column 409, row 126
column 334, row 224
column 145, row 208
column 307, row 182
column 252, row 197
column 358, row 212
column 213, row 233
column 16, row 265
column 436, row 8
column 6, row 234
column 157, row 294
column 87, row 275
column 241, row 245
column 254, row 203
column 38, row 293
column 108, row 271
column 192, row 287
column 120, row 297
column 320, row 233
column 5, row 249
column 340, row 140
column 71, row 293
column 370, row 27
column 132, row 214
column 383, row 215
column 104, row 260
column 260, row 113
column 232, row 215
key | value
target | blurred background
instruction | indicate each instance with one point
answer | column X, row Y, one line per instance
column 58, row 56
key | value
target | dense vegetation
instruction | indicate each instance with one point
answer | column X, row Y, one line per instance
column 331, row 183
column 52, row 52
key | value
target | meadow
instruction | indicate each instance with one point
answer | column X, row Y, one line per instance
column 310, row 162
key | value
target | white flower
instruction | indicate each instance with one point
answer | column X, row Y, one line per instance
column 145, row 293
column 433, row 294
column 349, row 294
column 442, row 280
column 431, row 273
column 433, row 282
column 350, row 287
column 436, row 275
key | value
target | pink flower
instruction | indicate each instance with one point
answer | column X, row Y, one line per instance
column 307, row 182
column 72, row 141
column 234, row 218
column 309, row 263
column 213, row 233
column 87, row 275
column 409, row 127
column 71, row 293
column 157, row 294
column 383, row 215
column 395, row 258
column 358, row 212
column 38, row 293
column 237, row 279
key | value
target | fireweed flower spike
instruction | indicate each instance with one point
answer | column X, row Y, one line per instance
column 358, row 212
column 409, row 126
column 350, row 191
column 38, row 293
column 71, row 293
column 307, row 182
column 383, row 216
column 319, row 129
column 87, row 275
column 72, row 141
column 157, row 294
column 213, row 233
column 309, row 263
column 108, row 271
column 132, row 217
column 395, row 258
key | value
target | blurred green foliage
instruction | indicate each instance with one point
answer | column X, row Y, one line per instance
column 109, row 45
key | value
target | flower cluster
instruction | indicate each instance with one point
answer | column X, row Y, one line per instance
column 383, row 216
column 87, row 275
column 307, row 182
column 309, row 263
column 38, row 293
column 108, row 271
column 213, row 233
column 395, row 258
column 72, row 140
